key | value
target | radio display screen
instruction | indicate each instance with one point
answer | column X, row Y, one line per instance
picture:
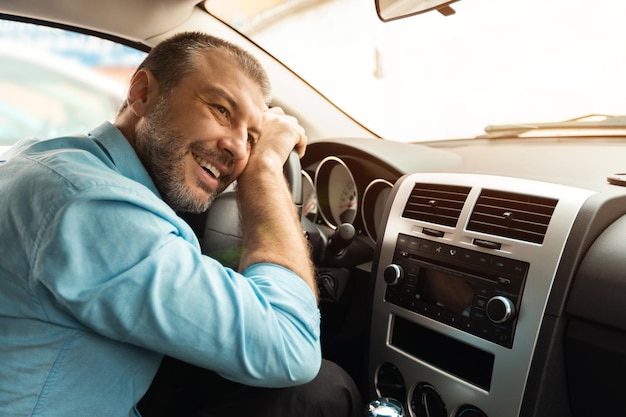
column 444, row 290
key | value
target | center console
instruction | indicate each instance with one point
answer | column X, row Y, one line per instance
column 463, row 272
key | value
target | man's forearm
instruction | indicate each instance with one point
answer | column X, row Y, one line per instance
column 271, row 228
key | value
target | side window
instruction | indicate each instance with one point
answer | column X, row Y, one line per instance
column 55, row 82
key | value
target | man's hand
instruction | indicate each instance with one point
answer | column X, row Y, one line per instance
column 280, row 134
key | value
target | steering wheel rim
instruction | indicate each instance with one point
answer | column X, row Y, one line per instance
column 293, row 174
column 221, row 237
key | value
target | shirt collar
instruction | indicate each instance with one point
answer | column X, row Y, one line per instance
column 122, row 154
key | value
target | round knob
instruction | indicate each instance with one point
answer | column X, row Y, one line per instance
column 385, row 407
column 500, row 309
column 426, row 402
column 341, row 239
column 469, row 411
column 393, row 273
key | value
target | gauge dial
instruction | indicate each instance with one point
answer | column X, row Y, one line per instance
column 345, row 211
column 309, row 198
column 373, row 206
column 337, row 192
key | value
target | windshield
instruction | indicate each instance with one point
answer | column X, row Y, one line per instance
column 434, row 77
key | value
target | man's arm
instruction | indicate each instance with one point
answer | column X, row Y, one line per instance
column 270, row 224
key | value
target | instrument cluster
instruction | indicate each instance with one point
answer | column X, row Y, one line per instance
column 336, row 193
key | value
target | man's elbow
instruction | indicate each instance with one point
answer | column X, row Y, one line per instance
column 306, row 369
column 295, row 366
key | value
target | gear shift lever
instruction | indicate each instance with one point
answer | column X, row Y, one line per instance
column 385, row 407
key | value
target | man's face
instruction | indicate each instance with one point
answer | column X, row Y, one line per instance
column 195, row 141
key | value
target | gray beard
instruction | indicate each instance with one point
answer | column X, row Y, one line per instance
column 162, row 154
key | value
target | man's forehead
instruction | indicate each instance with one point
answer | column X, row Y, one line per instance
column 223, row 74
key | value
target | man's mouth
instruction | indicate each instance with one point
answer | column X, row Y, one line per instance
column 208, row 167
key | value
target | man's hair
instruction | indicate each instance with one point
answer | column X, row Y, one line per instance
column 176, row 57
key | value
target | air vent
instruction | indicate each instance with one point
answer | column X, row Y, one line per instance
column 512, row 215
column 436, row 203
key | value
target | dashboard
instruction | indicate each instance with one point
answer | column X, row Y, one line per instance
column 488, row 276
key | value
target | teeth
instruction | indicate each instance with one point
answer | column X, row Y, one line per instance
column 207, row 166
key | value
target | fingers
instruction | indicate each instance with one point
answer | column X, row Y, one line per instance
column 283, row 133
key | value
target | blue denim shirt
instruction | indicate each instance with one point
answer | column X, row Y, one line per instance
column 99, row 278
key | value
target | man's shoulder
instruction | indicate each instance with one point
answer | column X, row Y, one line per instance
column 76, row 159
column 67, row 166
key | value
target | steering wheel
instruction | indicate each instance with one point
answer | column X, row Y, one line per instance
column 221, row 239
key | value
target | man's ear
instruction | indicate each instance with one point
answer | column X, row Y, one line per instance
column 142, row 91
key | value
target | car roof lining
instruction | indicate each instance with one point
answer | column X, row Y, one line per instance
column 116, row 39
column 112, row 17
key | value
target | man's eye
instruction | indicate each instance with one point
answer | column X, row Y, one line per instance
column 221, row 109
column 251, row 140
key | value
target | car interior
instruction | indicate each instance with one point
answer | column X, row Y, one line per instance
column 471, row 277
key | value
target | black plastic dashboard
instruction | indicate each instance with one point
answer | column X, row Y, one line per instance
column 567, row 318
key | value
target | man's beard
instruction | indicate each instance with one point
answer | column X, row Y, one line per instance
column 162, row 152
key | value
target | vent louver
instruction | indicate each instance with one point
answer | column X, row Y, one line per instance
column 512, row 215
column 436, row 203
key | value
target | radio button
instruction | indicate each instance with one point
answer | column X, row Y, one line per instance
column 504, row 281
column 481, row 303
column 392, row 274
column 500, row 309
column 478, row 314
column 484, row 332
column 484, row 260
column 500, row 264
column 519, row 269
column 411, row 280
column 426, row 246
column 484, row 292
column 402, row 240
column 467, row 256
column 467, row 325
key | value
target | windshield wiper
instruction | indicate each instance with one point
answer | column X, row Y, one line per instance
column 584, row 123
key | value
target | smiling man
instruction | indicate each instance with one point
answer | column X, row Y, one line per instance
column 100, row 278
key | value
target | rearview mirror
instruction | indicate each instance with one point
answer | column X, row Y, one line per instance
column 396, row 9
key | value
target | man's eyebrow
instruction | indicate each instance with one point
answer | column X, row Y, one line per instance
column 220, row 92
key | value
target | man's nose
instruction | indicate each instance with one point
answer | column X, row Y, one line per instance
column 235, row 143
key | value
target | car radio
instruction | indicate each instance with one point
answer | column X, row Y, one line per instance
column 472, row 291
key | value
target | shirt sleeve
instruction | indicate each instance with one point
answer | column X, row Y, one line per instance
column 125, row 266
